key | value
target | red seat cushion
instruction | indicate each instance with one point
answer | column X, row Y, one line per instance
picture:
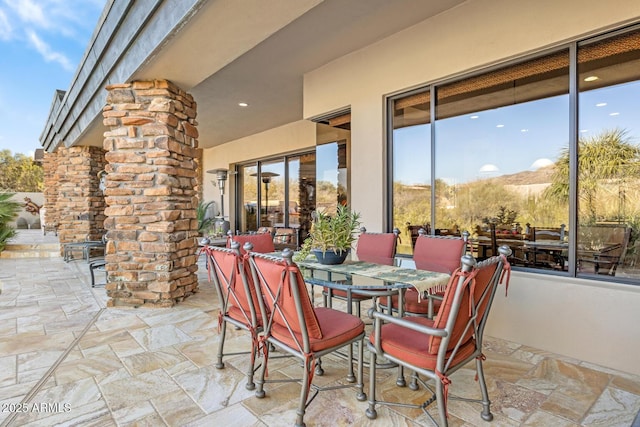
column 411, row 304
column 343, row 294
column 413, row 347
column 337, row 327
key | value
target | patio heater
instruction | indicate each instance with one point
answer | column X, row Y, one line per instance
column 266, row 180
column 221, row 176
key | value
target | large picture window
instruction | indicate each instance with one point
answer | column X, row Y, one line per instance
column 511, row 167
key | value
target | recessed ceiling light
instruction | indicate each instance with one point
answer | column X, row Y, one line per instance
column 591, row 78
column 614, row 114
column 601, row 104
column 474, row 117
column 242, row 104
column 500, row 126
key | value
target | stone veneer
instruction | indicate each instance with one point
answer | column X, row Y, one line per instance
column 151, row 194
column 72, row 196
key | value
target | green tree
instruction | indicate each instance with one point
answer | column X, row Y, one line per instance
column 604, row 159
column 18, row 173
column 8, row 211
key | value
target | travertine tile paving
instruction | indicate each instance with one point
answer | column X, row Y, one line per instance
column 65, row 360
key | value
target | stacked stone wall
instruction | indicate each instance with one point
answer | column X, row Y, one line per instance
column 151, row 194
column 80, row 202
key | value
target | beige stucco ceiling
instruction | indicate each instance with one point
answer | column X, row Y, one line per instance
column 257, row 52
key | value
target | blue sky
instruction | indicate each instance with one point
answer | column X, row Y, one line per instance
column 41, row 44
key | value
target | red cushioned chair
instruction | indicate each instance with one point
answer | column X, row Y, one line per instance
column 433, row 253
column 379, row 248
column 229, row 272
column 293, row 325
column 262, row 242
column 437, row 348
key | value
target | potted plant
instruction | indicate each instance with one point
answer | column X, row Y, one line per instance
column 331, row 237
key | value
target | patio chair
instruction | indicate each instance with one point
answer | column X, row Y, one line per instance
column 262, row 242
column 98, row 264
column 286, row 237
column 292, row 324
column 379, row 248
column 437, row 348
column 433, row 253
column 86, row 247
column 228, row 270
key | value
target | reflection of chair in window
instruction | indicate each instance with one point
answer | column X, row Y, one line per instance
column 548, row 257
column 292, row 324
column 414, row 231
column 602, row 248
column 437, row 348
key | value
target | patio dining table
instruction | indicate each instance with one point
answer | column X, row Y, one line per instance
column 387, row 277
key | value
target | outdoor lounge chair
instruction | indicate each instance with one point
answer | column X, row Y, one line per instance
column 437, row 348
column 85, row 247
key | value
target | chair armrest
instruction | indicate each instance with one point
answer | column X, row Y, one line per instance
column 379, row 318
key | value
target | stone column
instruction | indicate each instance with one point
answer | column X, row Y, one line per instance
column 80, row 203
column 151, row 215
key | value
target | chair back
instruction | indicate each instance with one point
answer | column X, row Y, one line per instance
column 228, row 270
column 288, row 313
column 466, row 303
column 262, row 242
column 549, row 233
column 379, row 248
column 438, row 253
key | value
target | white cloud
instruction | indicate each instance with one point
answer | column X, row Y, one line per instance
column 47, row 53
column 5, row 27
column 30, row 12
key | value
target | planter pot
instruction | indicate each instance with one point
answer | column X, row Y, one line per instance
column 330, row 257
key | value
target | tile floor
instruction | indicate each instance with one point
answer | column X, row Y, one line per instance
column 67, row 360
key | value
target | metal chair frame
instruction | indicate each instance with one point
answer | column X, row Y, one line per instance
column 453, row 338
column 272, row 299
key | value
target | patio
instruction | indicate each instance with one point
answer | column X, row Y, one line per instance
column 66, row 359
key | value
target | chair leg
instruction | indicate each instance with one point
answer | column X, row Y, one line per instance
column 361, row 396
column 304, row 393
column 223, row 333
column 250, row 384
column 371, row 412
column 260, row 380
column 413, row 385
column 442, row 410
column 486, row 403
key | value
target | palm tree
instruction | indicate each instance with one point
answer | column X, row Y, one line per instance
column 8, row 211
column 606, row 158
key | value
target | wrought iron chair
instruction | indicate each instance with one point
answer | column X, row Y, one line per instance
column 228, row 270
column 433, row 253
column 262, row 242
column 379, row 248
column 437, row 348
column 292, row 324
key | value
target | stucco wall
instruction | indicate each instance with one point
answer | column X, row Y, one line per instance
column 37, row 198
column 589, row 320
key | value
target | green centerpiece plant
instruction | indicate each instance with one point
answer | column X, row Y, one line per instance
column 331, row 234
